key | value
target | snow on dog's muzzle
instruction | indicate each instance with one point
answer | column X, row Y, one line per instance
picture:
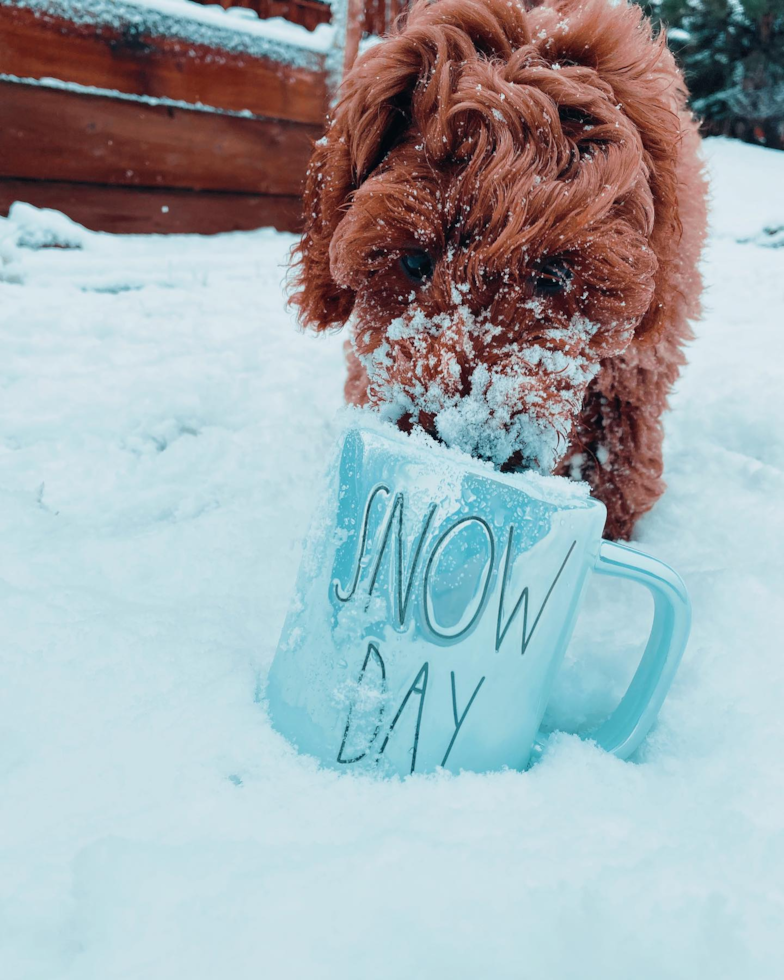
column 450, row 375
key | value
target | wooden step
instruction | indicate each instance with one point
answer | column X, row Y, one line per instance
column 61, row 135
column 36, row 44
column 129, row 210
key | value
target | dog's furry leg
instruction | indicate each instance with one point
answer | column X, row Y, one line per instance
column 617, row 441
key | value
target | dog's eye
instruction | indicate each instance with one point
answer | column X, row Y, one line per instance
column 552, row 277
column 417, row 266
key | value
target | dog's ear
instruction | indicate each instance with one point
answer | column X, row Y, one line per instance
column 618, row 43
column 367, row 120
column 320, row 302
column 373, row 113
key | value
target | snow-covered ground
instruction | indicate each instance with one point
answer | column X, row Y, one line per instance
column 162, row 428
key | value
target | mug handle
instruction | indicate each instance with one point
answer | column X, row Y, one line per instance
column 628, row 725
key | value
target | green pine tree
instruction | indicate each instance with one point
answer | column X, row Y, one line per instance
column 732, row 52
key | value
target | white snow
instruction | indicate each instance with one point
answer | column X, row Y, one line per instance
column 746, row 188
column 163, row 426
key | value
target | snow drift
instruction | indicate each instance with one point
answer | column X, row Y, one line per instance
column 163, row 428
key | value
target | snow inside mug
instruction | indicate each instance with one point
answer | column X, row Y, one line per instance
column 435, row 600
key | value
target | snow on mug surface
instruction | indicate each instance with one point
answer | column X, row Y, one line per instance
column 434, row 603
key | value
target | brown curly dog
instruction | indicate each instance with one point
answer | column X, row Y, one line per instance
column 507, row 209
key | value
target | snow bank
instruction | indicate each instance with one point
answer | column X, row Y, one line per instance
column 163, row 428
column 29, row 227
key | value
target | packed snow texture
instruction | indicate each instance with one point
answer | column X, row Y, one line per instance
column 163, row 430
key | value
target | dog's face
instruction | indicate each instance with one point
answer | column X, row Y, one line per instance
column 497, row 238
column 487, row 289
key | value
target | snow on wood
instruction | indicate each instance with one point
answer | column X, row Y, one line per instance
column 275, row 38
column 63, row 86
column 106, row 57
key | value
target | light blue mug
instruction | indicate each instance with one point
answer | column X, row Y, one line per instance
column 434, row 603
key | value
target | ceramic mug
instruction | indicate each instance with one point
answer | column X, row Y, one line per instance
column 434, row 603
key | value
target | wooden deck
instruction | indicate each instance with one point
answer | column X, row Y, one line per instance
column 132, row 119
column 134, row 131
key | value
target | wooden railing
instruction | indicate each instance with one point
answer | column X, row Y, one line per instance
column 379, row 15
column 307, row 13
column 364, row 17
column 368, row 17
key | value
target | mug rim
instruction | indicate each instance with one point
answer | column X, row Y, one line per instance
column 529, row 482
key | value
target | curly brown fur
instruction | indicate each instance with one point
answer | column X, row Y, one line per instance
column 541, row 167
